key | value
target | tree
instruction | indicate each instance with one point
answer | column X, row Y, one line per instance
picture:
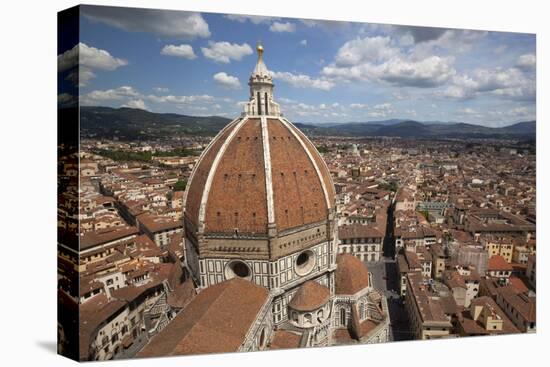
column 390, row 186
column 180, row 185
column 426, row 214
column 322, row 149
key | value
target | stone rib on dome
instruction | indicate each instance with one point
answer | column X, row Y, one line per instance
column 309, row 297
column 238, row 185
column 351, row 275
column 200, row 174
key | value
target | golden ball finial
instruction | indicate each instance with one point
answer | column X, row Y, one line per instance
column 260, row 48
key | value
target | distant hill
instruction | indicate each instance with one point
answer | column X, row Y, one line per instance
column 523, row 128
column 405, row 129
column 136, row 124
column 132, row 123
column 417, row 129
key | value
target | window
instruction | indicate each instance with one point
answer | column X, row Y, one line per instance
column 262, row 338
column 343, row 316
column 238, row 269
column 320, row 315
column 305, row 262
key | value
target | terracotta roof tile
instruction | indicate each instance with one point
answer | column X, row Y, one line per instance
column 310, row 296
column 284, row 339
column 215, row 321
column 497, row 262
column 351, row 274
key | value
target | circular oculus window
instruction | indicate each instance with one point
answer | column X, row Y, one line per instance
column 237, row 269
column 305, row 262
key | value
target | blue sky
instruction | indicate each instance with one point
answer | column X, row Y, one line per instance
column 324, row 71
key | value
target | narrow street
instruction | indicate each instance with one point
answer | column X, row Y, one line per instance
column 385, row 277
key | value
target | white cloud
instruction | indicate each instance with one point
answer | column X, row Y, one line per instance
column 98, row 59
column 67, row 59
column 126, row 96
column 519, row 111
column 368, row 49
column 255, row 19
column 80, row 76
column 85, row 75
column 227, row 81
column 99, row 96
column 420, row 34
column 467, row 111
column 303, row 42
column 527, row 62
column 136, row 103
column 88, row 56
column 375, row 59
column 66, row 99
column 183, row 50
column 81, row 59
column 279, row 27
column 224, row 52
column 329, row 25
column 380, row 110
column 430, row 72
column 503, row 117
column 164, row 23
column 205, row 98
column 303, row 81
column 161, row 89
column 359, row 105
column 455, row 41
column 506, row 83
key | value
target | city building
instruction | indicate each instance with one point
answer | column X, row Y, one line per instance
column 159, row 229
column 484, row 317
column 430, row 314
column 521, row 308
column 499, row 269
column 363, row 241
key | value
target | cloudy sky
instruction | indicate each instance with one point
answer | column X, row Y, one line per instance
column 324, row 71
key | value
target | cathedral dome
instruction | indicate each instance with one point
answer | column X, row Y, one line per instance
column 259, row 175
column 351, row 275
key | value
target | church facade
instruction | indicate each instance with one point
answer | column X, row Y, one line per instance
column 260, row 207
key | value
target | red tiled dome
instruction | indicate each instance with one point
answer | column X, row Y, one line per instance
column 309, row 297
column 252, row 175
